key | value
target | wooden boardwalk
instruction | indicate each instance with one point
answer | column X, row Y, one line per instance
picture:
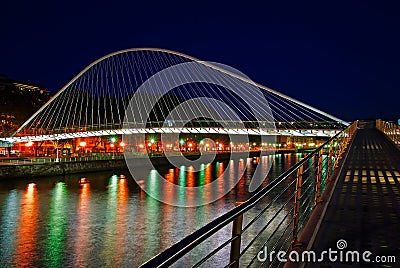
column 365, row 206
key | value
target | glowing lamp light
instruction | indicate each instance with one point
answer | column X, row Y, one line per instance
column 122, row 144
column 82, row 143
column 152, row 141
column 140, row 145
column 113, row 139
column 112, row 145
column 29, row 144
column 181, row 142
column 31, row 187
column 190, row 145
column 149, row 144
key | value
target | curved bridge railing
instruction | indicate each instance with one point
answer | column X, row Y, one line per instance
column 391, row 130
column 272, row 219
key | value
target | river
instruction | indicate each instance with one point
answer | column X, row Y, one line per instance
column 110, row 221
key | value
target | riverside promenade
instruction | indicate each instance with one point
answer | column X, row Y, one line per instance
column 364, row 211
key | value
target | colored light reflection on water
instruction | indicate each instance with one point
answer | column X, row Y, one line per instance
column 56, row 226
column 27, row 228
column 110, row 221
column 10, row 211
column 83, row 234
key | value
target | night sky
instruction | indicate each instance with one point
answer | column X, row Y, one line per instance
column 342, row 57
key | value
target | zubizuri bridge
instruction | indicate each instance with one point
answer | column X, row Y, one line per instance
column 339, row 205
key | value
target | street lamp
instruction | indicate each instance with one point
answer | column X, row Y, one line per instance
column 28, row 145
column 122, row 144
column 83, row 144
column 150, row 145
column 57, row 159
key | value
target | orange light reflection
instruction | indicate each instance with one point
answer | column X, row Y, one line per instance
column 26, row 240
column 83, row 233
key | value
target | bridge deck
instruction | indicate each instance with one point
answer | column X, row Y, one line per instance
column 365, row 206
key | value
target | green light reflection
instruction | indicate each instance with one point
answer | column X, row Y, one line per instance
column 10, row 213
column 152, row 216
column 110, row 223
column 182, row 176
column 56, row 234
column 202, row 175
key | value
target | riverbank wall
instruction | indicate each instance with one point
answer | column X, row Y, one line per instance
column 31, row 170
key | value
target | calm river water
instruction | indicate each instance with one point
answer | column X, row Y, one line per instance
column 109, row 221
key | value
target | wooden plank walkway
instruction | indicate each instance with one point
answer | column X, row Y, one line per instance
column 365, row 206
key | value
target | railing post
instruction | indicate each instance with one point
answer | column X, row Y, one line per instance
column 236, row 243
column 296, row 212
column 317, row 196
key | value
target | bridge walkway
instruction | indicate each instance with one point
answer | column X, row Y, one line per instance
column 365, row 205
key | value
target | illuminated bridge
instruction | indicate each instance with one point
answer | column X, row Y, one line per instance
column 347, row 188
column 161, row 91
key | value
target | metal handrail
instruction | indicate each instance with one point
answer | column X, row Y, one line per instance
column 181, row 248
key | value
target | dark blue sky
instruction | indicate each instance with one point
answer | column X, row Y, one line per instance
column 340, row 56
